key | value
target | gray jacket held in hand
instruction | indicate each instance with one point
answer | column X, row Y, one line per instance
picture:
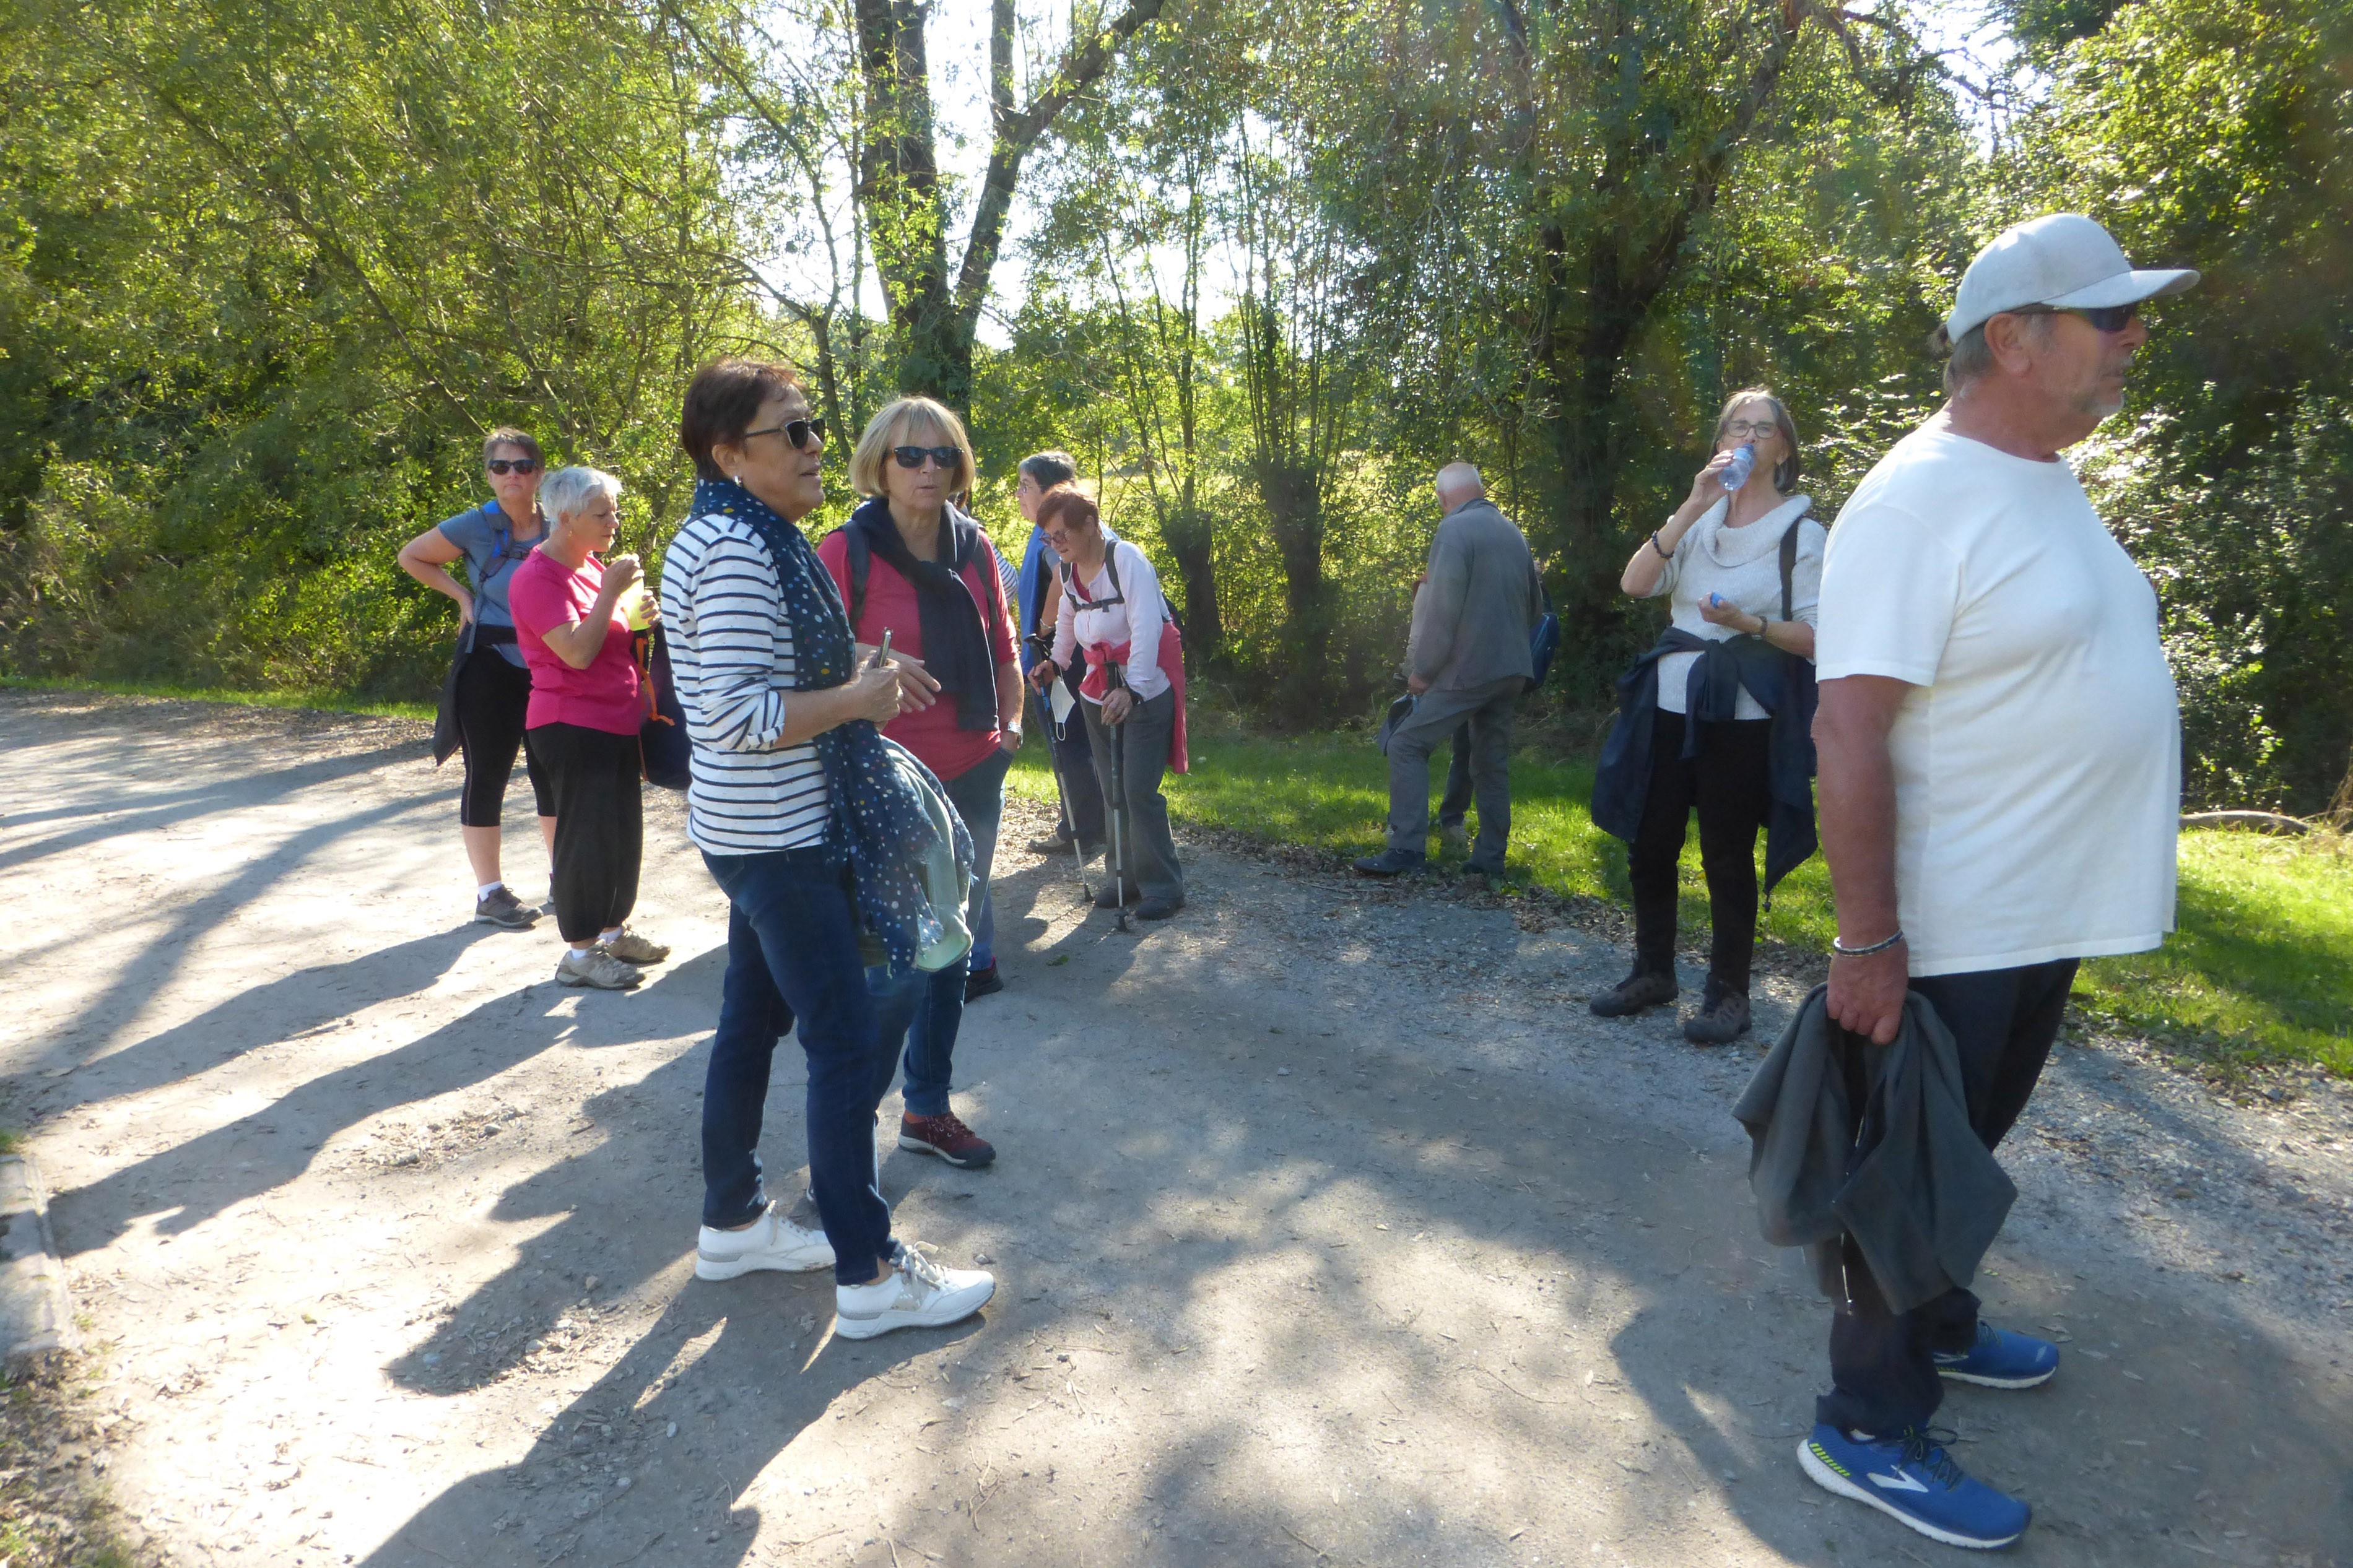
column 1477, row 607
column 1916, row 1187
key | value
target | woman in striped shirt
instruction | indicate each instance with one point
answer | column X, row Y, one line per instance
column 737, row 581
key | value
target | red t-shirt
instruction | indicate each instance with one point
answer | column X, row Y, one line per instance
column 543, row 593
column 931, row 733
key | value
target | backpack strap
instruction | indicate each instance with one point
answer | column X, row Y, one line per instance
column 860, row 556
column 1790, row 561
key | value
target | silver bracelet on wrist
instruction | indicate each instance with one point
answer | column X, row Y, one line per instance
column 1880, row 946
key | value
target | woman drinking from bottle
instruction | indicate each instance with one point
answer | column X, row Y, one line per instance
column 1716, row 718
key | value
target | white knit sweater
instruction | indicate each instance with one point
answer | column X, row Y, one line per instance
column 1744, row 564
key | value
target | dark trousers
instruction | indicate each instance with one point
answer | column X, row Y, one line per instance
column 1074, row 760
column 1883, row 1363
column 1485, row 710
column 490, row 700
column 1730, row 785
column 1454, row 804
column 600, row 826
column 791, row 957
column 978, row 796
column 1145, row 843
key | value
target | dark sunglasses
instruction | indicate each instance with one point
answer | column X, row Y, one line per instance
column 796, row 431
column 2109, row 318
column 513, row 465
column 913, row 457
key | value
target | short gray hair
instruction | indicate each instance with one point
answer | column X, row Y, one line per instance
column 1969, row 355
column 567, row 490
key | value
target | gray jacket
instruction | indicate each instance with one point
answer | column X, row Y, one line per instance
column 1477, row 607
column 1916, row 1187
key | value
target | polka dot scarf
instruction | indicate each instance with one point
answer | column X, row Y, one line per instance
column 878, row 816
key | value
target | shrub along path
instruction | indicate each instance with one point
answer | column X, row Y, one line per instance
column 1330, row 1226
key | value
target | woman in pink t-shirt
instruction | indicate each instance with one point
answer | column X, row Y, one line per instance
column 909, row 563
column 582, row 725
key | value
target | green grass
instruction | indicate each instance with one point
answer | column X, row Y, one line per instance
column 10, row 1140
column 2258, row 974
column 325, row 700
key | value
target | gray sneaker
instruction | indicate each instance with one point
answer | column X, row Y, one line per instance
column 598, row 968
column 500, row 908
column 631, row 948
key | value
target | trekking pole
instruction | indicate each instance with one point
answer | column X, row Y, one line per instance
column 1118, row 802
column 1063, row 795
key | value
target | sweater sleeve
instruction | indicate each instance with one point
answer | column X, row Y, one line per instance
column 735, row 613
column 1438, row 608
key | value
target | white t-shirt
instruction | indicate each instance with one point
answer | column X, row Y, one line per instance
column 2038, row 759
column 1744, row 565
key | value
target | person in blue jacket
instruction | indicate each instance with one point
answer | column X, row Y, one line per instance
column 1039, row 593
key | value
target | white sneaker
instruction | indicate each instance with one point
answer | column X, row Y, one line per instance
column 772, row 1241
column 917, row 1294
column 598, row 968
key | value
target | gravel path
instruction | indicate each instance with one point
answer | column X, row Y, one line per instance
column 1330, row 1228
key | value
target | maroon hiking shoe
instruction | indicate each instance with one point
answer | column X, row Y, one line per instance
column 947, row 1137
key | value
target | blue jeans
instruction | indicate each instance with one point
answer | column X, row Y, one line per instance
column 925, row 1010
column 792, row 955
column 978, row 796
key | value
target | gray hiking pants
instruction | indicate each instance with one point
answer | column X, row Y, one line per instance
column 1487, row 709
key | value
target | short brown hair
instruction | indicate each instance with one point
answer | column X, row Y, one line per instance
column 721, row 402
column 1072, row 505
column 892, row 425
column 507, row 436
column 1785, row 472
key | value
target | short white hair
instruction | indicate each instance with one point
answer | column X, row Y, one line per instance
column 567, row 490
column 1459, row 482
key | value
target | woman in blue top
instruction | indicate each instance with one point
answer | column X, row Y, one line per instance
column 493, row 688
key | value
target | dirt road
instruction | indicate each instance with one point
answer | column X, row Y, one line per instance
column 1330, row 1228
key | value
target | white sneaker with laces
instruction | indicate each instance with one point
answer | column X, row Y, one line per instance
column 595, row 966
column 772, row 1241
column 917, row 1294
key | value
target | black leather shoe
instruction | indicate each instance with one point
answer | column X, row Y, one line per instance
column 983, row 983
column 1159, row 908
column 1482, row 868
column 1632, row 994
column 1108, row 898
column 1722, row 1018
column 1390, row 863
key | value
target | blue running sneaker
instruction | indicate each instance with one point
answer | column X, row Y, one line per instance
column 2002, row 1358
column 1909, row 1477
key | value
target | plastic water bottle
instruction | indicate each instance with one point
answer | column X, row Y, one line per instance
column 1736, row 472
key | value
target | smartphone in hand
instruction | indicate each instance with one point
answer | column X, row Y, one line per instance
column 881, row 652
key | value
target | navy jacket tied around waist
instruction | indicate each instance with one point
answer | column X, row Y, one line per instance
column 1783, row 685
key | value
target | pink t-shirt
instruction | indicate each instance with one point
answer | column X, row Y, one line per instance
column 930, row 732
column 543, row 593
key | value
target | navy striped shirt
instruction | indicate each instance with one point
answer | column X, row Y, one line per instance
column 730, row 653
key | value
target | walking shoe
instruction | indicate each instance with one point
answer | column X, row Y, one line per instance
column 631, row 948
column 1484, row 867
column 772, row 1241
column 1392, row 863
column 1910, row 1478
column 500, row 908
column 598, row 968
column 982, row 983
column 1052, row 843
column 1159, row 908
column 948, row 1136
column 1722, row 1018
column 1633, row 993
column 1453, row 838
column 2002, row 1358
column 1110, row 899
column 917, row 1294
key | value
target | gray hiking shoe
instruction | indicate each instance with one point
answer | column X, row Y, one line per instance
column 1722, row 1018
column 631, row 948
column 500, row 908
column 1390, row 863
column 596, row 967
column 1632, row 994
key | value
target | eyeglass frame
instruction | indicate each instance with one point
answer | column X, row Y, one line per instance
column 796, row 432
column 1752, row 429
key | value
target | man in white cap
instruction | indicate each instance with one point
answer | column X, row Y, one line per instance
column 2000, row 784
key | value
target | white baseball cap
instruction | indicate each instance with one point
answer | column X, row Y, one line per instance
column 2062, row 259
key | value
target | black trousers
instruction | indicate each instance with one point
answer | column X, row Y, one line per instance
column 600, row 826
column 491, row 698
column 1730, row 785
column 1883, row 1363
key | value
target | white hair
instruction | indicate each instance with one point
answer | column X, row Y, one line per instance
column 567, row 490
column 1457, row 483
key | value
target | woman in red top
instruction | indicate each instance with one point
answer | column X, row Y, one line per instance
column 582, row 724
column 911, row 563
